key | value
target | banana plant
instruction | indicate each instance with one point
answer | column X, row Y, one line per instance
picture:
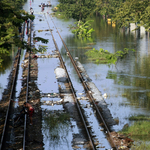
column 83, row 29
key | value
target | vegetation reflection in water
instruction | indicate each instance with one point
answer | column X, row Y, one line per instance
column 136, row 88
column 135, row 83
column 5, row 64
column 7, row 60
column 56, row 125
column 137, row 96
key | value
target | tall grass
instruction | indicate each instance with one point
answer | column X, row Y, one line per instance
column 141, row 128
column 139, row 132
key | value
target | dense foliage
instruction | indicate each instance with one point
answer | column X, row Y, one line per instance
column 77, row 9
column 133, row 11
column 83, row 29
column 11, row 18
column 107, row 7
column 121, row 11
column 126, row 11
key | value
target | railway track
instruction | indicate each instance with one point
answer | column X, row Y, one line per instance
column 88, row 92
column 20, row 137
column 10, row 137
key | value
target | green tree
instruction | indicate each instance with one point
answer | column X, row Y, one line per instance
column 133, row 11
column 83, row 29
column 77, row 9
column 107, row 7
column 10, row 20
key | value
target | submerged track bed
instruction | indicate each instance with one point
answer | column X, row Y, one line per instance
column 94, row 143
column 13, row 135
column 96, row 124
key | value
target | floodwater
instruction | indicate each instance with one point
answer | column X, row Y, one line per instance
column 127, row 84
column 5, row 71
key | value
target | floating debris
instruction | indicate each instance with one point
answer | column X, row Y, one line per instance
column 52, row 95
column 80, row 93
column 105, row 95
column 52, row 103
column 61, row 75
column 76, row 58
column 44, row 30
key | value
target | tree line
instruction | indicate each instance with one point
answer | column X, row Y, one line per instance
column 11, row 19
column 121, row 11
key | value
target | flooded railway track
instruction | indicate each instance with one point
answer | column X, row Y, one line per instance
column 91, row 107
column 8, row 118
column 91, row 101
column 13, row 136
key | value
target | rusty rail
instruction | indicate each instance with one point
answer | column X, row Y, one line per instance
column 87, row 90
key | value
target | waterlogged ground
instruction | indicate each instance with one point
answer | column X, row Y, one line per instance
column 126, row 84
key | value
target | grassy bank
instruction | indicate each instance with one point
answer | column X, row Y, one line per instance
column 139, row 131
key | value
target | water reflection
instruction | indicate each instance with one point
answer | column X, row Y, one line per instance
column 127, row 82
column 136, row 83
column 110, row 38
column 56, row 128
column 5, row 69
column 6, row 64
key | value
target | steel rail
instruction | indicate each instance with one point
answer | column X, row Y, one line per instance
column 11, row 95
column 27, row 89
column 10, row 101
column 74, row 93
column 87, row 90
